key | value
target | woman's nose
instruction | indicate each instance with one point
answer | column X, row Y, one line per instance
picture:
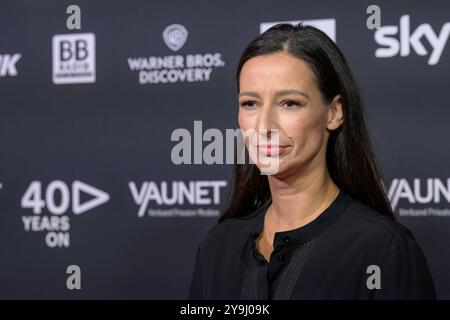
column 265, row 119
column 267, row 126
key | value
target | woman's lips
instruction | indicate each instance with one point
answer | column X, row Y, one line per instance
column 271, row 150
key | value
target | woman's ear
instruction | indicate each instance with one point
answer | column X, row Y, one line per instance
column 335, row 113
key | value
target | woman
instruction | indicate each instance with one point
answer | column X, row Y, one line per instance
column 321, row 226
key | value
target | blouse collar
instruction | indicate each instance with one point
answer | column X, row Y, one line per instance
column 309, row 231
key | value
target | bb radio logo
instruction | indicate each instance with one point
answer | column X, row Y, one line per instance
column 74, row 58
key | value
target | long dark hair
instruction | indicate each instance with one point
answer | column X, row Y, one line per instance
column 350, row 158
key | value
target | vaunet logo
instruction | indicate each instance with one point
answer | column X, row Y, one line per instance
column 51, row 205
column 74, row 58
column 328, row 26
column 170, row 199
column 420, row 197
column 193, row 67
column 404, row 39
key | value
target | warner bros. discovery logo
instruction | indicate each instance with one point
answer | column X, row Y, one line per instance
column 192, row 67
column 58, row 198
column 427, row 196
column 175, row 36
column 74, row 58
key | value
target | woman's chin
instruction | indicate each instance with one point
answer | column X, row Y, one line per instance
column 273, row 167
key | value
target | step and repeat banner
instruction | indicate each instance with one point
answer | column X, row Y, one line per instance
column 95, row 97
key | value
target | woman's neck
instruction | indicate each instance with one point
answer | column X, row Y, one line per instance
column 297, row 201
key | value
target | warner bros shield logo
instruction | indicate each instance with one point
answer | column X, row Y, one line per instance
column 175, row 36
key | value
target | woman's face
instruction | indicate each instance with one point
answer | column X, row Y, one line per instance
column 278, row 91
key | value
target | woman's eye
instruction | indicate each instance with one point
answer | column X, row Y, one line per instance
column 248, row 104
column 291, row 104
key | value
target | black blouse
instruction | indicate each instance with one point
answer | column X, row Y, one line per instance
column 350, row 251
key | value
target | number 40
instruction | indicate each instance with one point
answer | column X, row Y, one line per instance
column 32, row 198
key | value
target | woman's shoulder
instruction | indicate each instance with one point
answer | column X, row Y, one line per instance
column 393, row 248
column 230, row 231
column 375, row 225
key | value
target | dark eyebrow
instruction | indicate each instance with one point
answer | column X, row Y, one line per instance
column 278, row 94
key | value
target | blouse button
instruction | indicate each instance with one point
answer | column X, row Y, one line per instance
column 286, row 239
column 280, row 257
